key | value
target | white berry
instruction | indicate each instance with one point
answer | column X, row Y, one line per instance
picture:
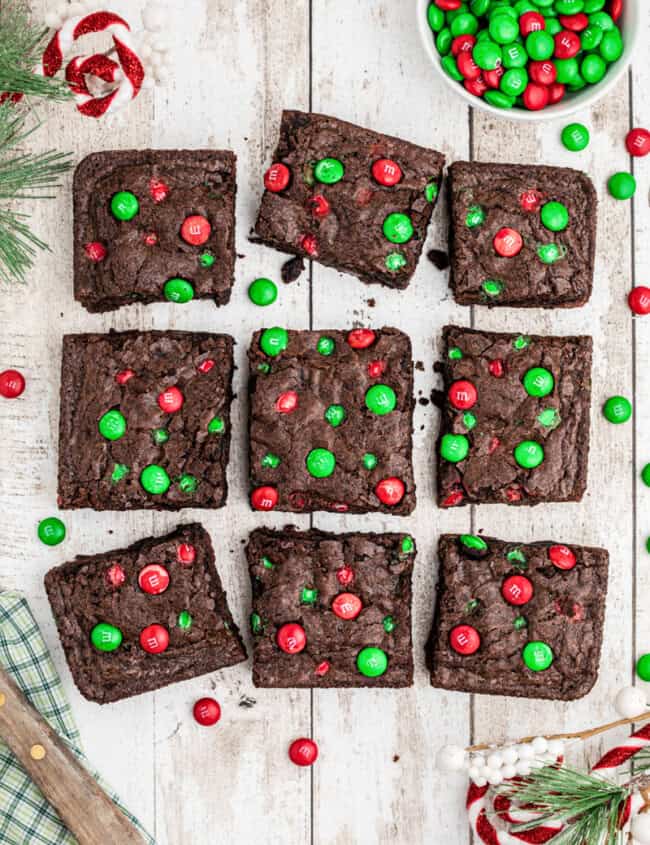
column 523, row 768
column 525, row 751
column 540, row 744
column 450, row 758
column 474, row 772
column 510, row 755
column 494, row 778
column 508, row 771
column 154, row 18
column 478, row 760
column 640, row 828
column 555, row 748
column 630, row 702
column 494, row 760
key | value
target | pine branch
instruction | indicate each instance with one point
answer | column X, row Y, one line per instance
column 23, row 176
column 21, row 49
column 588, row 806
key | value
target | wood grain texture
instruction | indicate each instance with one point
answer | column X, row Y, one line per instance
column 237, row 65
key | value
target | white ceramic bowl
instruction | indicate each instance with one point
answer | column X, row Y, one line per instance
column 630, row 23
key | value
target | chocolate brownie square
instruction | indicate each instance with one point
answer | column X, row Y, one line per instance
column 154, row 225
column 522, row 619
column 353, row 199
column 331, row 420
column 140, row 618
column 145, row 420
column 521, row 235
column 515, row 418
column 331, row 610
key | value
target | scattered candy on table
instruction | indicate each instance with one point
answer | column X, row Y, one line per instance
column 575, row 137
column 526, row 55
column 643, row 667
column 51, row 531
column 639, row 300
column 645, row 475
column 617, row 409
column 263, row 292
column 303, row 752
column 12, row 384
column 637, row 142
column 622, row 185
column 207, row 712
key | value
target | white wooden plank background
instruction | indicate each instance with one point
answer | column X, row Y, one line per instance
column 238, row 64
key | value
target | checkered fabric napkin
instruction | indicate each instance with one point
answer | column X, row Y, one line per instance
column 26, row 818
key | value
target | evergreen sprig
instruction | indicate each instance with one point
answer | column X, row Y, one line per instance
column 588, row 806
column 21, row 49
column 23, row 176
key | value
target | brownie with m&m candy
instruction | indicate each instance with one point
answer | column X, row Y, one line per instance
column 331, row 610
column 350, row 198
column 521, row 235
column 514, row 418
column 145, row 420
column 521, row 619
column 153, row 226
column 331, row 419
column 137, row 619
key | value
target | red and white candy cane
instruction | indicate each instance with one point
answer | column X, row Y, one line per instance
column 127, row 73
column 485, row 826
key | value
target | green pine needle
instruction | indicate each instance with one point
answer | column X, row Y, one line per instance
column 23, row 176
column 21, row 50
column 588, row 806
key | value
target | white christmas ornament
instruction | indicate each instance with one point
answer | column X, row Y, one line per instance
column 540, row 744
column 478, row 761
column 523, row 768
column 510, row 755
column 640, row 828
column 494, row 760
column 630, row 702
column 450, row 758
column 525, row 751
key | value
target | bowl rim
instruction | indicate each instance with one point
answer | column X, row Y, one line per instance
column 559, row 110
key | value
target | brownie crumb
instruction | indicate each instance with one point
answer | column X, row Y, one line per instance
column 292, row 269
column 247, row 702
column 438, row 258
column 419, row 366
column 371, row 302
column 395, row 758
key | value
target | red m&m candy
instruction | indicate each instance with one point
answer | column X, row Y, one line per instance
column 390, row 491
column 556, row 92
column 616, row 9
column 531, row 200
column 205, row 366
column 387, row 172
column 151, row 239
column 517, row 590
column 170, row 400
column 496, row 368
column 467, row 66
column 462, row 44
column 320, row 207
column 535, row 96
column 567, row 44
column 154, row 639
column 639, row 300
column 361, row 338
column 158, row 190
column 543, row 73
column 463, row 395
column 303, row 752
column 345, row 575
column 508, row 242
column 95, row 250
column 531, row 22
column 291, row 638
column 12, row 384
column 347, row 606
column 195, row 230
column 576, row 23
column 322, row 668
column 124, row 376
column 562, row 557
column 376, row 368
column 277, row 178
column 637, row 142
column 186, row 554
column 310, row 245
column 207, row 712
column 477, row 87
column 493, row 77
column 115, row 575
column 448, row 5
column 286, row 402
column 464, row 639
column 264, row 498
column 153, row 579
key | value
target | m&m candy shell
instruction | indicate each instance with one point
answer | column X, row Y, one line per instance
column 639, row 300
column 291, row 638
column 207, row 712
column 51, row 531
column 575, row 137
column 153, row 579
column 12, row 384
column 381, row 399
column 195, row 230
column 274, row 341
column 264, row 498
column 517, row 590
column 622, row 185
column 277, row 178
column 508, row 242
column 617, row 409
column 154, row 639
column 562, row 557
column 538, row 656
column 643, row 667
column 186, row 554
column 178, row 290
column 303, row 752
column 106, row 637
column 637, row 142
column 170, row 400
column 347, row 606
column 463, row 395
column 262, row 292
column 286, row 402
column 124, row 205
column 386, row 172
column 390, row 491
column 464, row 639
column 361, row 338
column 154, row 479
column 372, row 662
column 95, row 251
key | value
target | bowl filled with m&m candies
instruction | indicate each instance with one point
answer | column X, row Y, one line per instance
column 530, row 59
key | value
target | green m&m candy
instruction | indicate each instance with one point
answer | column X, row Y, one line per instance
column 529, row 454
column 216, row 425
column 389, row 624
column 155, row 480
column 271, row 461
column 185, row 620
column 335, row 415
column 592, row 6
column 503, row 29
column 436, row 17
column 450, row 67
column 622, row 185
column 262, row 292
column 178, row 290
column 538, row 381
column 492, row 287
column 550, row 253
column 395, row 261
column 309, row 595
column 464, row 24
column 487, row 54
column 320, row 463
column 119, row 472
column 591, row 37
column 473, row 545
column 549, row 418
column 515, row 57
column 369, row 461
column 398, row 228
column 329, row 171
column 325, row 346
column 643, row 667
column 51, row 531
column 568, row 71
column 206, row 259
column 124, row 205
column 593, row 68
column 617, row 409
column 443, row 41
column 475, row 216
column 611, row 45
column 188, row 483
column 274, row 341
column 469, row 420
column 514, row 81
column 106, row 637
column 160, row 436
column 455, row 354
column 454, row 447
column 499, row 100
column 381, row 399
column 540, row 45
column 537, row 655
column 645, row 475
column 431, row 191
column 112, row 425
column 555, row 216
column 408, row 546
column 372, row 662
column 575, row 137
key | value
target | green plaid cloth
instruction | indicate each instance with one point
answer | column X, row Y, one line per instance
column 26, row 818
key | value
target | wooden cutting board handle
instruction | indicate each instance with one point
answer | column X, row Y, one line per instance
column 83, row 806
